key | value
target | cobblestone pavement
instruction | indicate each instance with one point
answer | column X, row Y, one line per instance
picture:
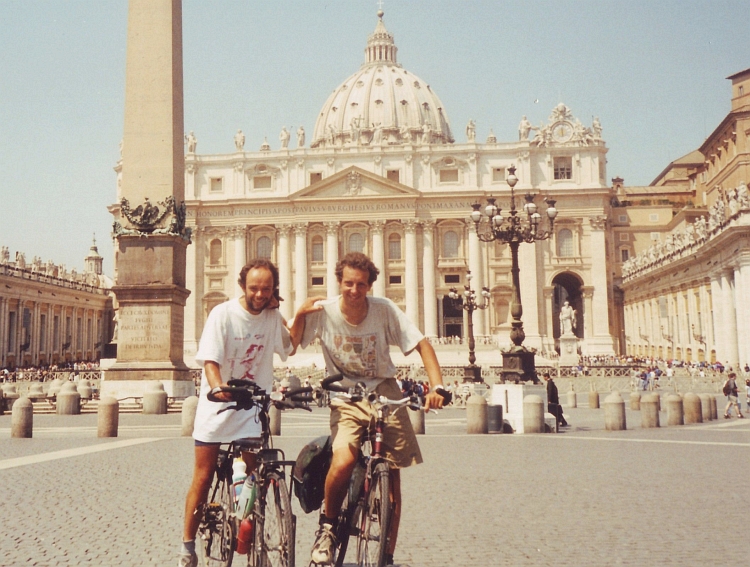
column 578, row 498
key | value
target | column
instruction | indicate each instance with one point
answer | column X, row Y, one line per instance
column 549, row 308
column 719, row 342
column 192, row 318
column 378, row 256
column 412, row 279
column 530, row 288
column 240, row 254
column 428, row 275
column 740, row 292
column 475, row 266
column 730, row 319
column 588, row 314
column 300, row 264
column 601, row 338
column 284, row 260
column 3, row 327
column 332, row 257
column 743, row 298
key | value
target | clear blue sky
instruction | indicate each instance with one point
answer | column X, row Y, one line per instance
column 653, row 71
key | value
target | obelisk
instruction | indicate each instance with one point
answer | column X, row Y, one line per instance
column 149, row 228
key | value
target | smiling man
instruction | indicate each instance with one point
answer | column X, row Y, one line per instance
column 238, row 343
column 356, row 331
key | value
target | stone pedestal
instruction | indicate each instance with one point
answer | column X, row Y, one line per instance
column 511, row 397
column 519, row 366
column 569, row 350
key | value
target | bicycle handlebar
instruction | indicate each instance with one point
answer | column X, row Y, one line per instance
column 328, row 384
column 246, row 394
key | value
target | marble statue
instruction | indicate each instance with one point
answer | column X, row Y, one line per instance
column 426, row 133
column 743, row 195
column 284, row 138
column 405, row 134
column 4, row 255
column 524, row 128
column 567, row 319
column 377, row 134
column 354, row 125
column 597, row 128
column 191, row 141
column 300, row 137
column 700, row 228
column 471, row 131
column 239, row 140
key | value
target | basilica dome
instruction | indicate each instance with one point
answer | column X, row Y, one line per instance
column 382, row 104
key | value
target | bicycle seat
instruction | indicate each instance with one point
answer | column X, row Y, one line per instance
column 270, row 455
column 248, row 443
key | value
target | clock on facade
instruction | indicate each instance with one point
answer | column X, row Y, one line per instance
column 562, row 131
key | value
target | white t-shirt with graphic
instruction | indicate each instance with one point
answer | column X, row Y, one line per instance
column 242, row 344
column 361, row 351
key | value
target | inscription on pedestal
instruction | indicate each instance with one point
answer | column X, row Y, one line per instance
column 145, row 333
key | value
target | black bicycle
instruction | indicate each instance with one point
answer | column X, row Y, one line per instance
column 274, row 523
column 367, row 508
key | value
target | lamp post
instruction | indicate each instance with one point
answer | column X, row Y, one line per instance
column 518, row 361
column 467, row 300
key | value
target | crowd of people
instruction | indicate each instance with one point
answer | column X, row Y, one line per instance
column 45, row 373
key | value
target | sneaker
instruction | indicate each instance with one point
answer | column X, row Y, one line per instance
column 188, row 560
column 325, row 543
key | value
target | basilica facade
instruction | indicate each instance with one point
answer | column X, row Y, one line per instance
column 383, row 173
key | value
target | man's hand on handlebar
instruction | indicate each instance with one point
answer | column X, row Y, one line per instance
column 433, row 400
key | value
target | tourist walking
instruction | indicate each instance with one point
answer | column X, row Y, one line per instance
column 730, row 391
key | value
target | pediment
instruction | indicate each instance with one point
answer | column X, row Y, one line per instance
column 354, row 182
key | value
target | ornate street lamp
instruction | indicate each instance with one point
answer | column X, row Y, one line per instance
column 518, row 361
column 467, row 300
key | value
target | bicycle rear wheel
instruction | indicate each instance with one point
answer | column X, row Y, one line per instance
column 375, row 522
column 217, row 530
column 275, row 527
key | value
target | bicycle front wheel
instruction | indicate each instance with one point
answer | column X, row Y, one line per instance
column 217, row 530
column 375, row 522
column 275, row 528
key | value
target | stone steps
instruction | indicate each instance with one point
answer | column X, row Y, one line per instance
column 48, row 408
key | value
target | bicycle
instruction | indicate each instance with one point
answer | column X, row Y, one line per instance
column 367, row 508
column 274, row 523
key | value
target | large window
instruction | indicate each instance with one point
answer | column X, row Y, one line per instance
column 565, row 243
column 563, row 167
column 356, row 242
column 450, row 244
column 263, row 247
column 394, row 247
column 214, row 253
column 317, row 249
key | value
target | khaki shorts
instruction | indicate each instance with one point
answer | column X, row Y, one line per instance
column 349, row 421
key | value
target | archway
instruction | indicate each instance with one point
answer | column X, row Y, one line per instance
column 567, row 287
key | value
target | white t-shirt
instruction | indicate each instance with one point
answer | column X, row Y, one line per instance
column 361, row 351
column 242, row 344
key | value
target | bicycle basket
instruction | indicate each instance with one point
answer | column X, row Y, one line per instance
column 309, row 473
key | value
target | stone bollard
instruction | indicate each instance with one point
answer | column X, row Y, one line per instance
column 84, row 388
column 107, row 417
column 68, row 400
column 22, row 420
column 533, row 414
column 36, row 392
column 614, row 412
column 635, row 401
column 274, row 420
column 674, row 410
column 11, row 395
column 593, row 399
column 476, row 414
column 154, row 399
column 650, row 411
column 691, row 404
column 714, row 409
column 417, row 420
column 495, row 418
column 705, row 406
column 54, row 387
column 189, row 407
column 572, row 401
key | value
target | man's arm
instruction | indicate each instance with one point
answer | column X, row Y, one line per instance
column 213, row 375
column 298, row 325
column 435, row 376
